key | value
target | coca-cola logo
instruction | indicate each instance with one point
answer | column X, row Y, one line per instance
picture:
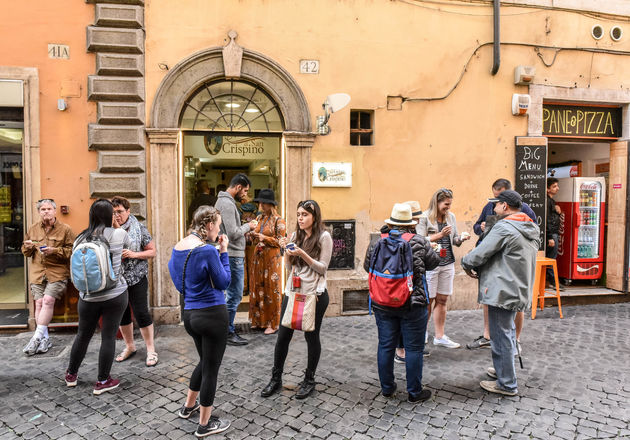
column 560, row 243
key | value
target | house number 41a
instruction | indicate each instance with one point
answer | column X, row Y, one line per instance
column 309, row 66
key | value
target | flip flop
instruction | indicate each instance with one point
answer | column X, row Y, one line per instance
column 152, row 359
column 125, row 354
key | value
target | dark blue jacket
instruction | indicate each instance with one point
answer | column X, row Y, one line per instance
column 489, row 210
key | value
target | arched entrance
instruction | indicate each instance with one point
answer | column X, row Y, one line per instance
column 198, row 81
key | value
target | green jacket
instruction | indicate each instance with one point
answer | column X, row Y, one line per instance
column 506, row 263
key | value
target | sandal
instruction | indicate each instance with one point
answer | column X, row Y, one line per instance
column 152, row 359
column 270, row 331
column 125, row 354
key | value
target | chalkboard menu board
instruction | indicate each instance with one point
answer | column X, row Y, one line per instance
column 343, row 234
column 531, row 179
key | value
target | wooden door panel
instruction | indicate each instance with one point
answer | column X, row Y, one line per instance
column 617, row 193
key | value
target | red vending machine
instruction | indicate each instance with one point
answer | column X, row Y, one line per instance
column 581, row 241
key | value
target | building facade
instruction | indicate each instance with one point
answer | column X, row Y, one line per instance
column 182, row 92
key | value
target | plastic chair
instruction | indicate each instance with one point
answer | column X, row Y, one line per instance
column 540, row 292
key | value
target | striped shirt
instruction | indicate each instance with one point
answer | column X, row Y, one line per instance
column 445, row 242
column 118, row 240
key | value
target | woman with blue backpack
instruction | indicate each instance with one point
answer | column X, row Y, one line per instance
column 96, row 272
column 396, row 265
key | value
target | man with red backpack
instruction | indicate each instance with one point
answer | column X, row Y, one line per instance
column 396, row 265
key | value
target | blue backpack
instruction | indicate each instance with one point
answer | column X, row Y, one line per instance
column 91, row 269
column 390, row 280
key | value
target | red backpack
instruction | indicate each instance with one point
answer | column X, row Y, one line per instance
column 390, row 280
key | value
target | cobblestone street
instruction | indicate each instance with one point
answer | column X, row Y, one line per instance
column 576, row 384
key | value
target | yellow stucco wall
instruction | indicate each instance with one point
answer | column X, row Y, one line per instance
column 371, row 49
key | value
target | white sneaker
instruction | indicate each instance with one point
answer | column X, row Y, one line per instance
column 491, row 372
column 445, row 341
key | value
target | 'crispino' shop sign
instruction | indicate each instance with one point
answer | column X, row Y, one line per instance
column 581, row 121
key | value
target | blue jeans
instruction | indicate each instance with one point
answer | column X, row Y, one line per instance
column 503, row 343
column 234, row 292
column 412, row 325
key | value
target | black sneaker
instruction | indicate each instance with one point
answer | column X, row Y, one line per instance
column 399, row 360
column 185, row 412
column 214, row 426
column 424, row 395
column 390, row 394
column 426, row 353
column 480, row 342
column 234, row 339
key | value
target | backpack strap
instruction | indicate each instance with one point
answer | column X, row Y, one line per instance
column 184, row 270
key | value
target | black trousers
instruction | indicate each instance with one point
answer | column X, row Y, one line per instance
column 313, row 343
column 209, row 329
column 139, row 303
column 89, row 313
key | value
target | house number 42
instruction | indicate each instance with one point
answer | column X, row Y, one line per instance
column 309, row 66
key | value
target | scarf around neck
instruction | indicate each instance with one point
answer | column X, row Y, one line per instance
column 132, row 226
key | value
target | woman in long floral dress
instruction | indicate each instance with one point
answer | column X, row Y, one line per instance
column 265, row 274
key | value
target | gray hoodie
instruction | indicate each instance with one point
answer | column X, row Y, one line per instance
column 506, row 263
column 231, row 224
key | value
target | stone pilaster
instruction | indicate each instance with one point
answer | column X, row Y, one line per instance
column 164, row 199
column 298, row 169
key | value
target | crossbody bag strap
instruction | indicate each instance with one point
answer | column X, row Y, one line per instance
column 184, row 270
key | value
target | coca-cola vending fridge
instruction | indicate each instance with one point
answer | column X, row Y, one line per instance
column 581, row 238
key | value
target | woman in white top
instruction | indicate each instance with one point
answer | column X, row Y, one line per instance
column 308, row 260
column 438, row 224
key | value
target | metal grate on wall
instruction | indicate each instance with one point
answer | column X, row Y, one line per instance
column 355, row 302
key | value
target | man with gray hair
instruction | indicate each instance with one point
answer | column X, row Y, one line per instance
column 48, row 244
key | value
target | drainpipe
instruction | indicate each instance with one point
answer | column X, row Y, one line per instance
column 497, row 38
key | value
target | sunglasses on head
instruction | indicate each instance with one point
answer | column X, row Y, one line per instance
column 307, row 204
column 45, row 200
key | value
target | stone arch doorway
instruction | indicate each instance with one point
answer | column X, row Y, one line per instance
column 164, row 134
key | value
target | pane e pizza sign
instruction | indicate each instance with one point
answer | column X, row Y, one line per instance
column 575, row 121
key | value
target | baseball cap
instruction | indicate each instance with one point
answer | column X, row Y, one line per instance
column 512, row 198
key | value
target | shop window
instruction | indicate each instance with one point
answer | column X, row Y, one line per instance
column 361, row 127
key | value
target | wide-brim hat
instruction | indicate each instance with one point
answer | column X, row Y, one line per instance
column 266, row 196
column 416, row 212
column 401, row 216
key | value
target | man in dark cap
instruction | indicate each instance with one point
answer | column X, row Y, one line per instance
column 505, row 263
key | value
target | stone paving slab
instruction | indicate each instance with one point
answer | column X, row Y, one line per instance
column 575, row 385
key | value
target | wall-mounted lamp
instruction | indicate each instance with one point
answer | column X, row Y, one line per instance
column 163, row 66
column 333, row 103
column 62, row 104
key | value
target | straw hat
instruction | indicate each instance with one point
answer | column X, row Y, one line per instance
column 401, row 216
column 416, row 212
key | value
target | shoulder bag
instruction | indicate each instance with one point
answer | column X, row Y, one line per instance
column 300, row 311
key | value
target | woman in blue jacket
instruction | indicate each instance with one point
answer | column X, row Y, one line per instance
column 201, row 273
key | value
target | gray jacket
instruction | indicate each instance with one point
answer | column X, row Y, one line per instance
column 506, row 263
column 231, row 224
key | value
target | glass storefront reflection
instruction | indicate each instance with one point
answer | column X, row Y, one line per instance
column 13, row 299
